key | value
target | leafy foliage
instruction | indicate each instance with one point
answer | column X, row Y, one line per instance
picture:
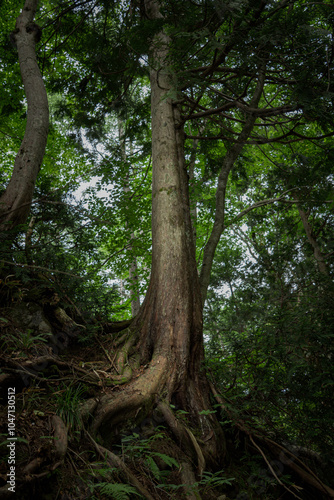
column 269, row 315
column 68, row 400
column 117, row 491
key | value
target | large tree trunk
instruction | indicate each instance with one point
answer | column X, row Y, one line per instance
column 171, row 318
column 16, row 200
column 172, row 308
column 169, row 325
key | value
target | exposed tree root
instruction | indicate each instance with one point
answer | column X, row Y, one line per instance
column 66, row 321
column 90, row 373
column 60, row 449
column 184, row 436
column 87, row 409
column 29, row 473
column 272, row 470
column 32, row 466
column 60, row 437
column 302, row 470
column 123, row 354
column 138, row 395
column 114, row 461
column 147, row 393
column 189, row 480
column 136, row 401
column 116, row 326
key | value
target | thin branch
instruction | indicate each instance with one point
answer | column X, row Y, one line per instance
column 271, row 468
column 228, row 163
column 260, row 204
column 16, row 264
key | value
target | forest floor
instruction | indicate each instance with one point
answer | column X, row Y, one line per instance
column 50, row 386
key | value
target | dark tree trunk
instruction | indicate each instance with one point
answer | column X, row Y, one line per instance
column 16, row 200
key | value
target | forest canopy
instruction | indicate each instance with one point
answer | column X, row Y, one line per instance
column 166, row 247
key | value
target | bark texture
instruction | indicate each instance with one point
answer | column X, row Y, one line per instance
column 16, row 200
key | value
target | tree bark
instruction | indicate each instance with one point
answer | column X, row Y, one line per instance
column 174, row 300
column 16, row 200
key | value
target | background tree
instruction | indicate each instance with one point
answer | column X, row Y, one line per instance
column 16, row 200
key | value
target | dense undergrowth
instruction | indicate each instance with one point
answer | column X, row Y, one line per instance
column 63, row 362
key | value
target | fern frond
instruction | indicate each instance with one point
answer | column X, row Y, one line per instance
column 170, row 461
column 117, row 491
column 153, row 467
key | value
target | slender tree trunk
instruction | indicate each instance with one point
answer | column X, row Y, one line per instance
column 133, row 270
column 229, row 160
column 16, row 200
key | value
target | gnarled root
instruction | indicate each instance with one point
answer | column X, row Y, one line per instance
column 188, row 481
column 184, row 436
column 60, row 437
column 136, row 401
column 139, row 394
